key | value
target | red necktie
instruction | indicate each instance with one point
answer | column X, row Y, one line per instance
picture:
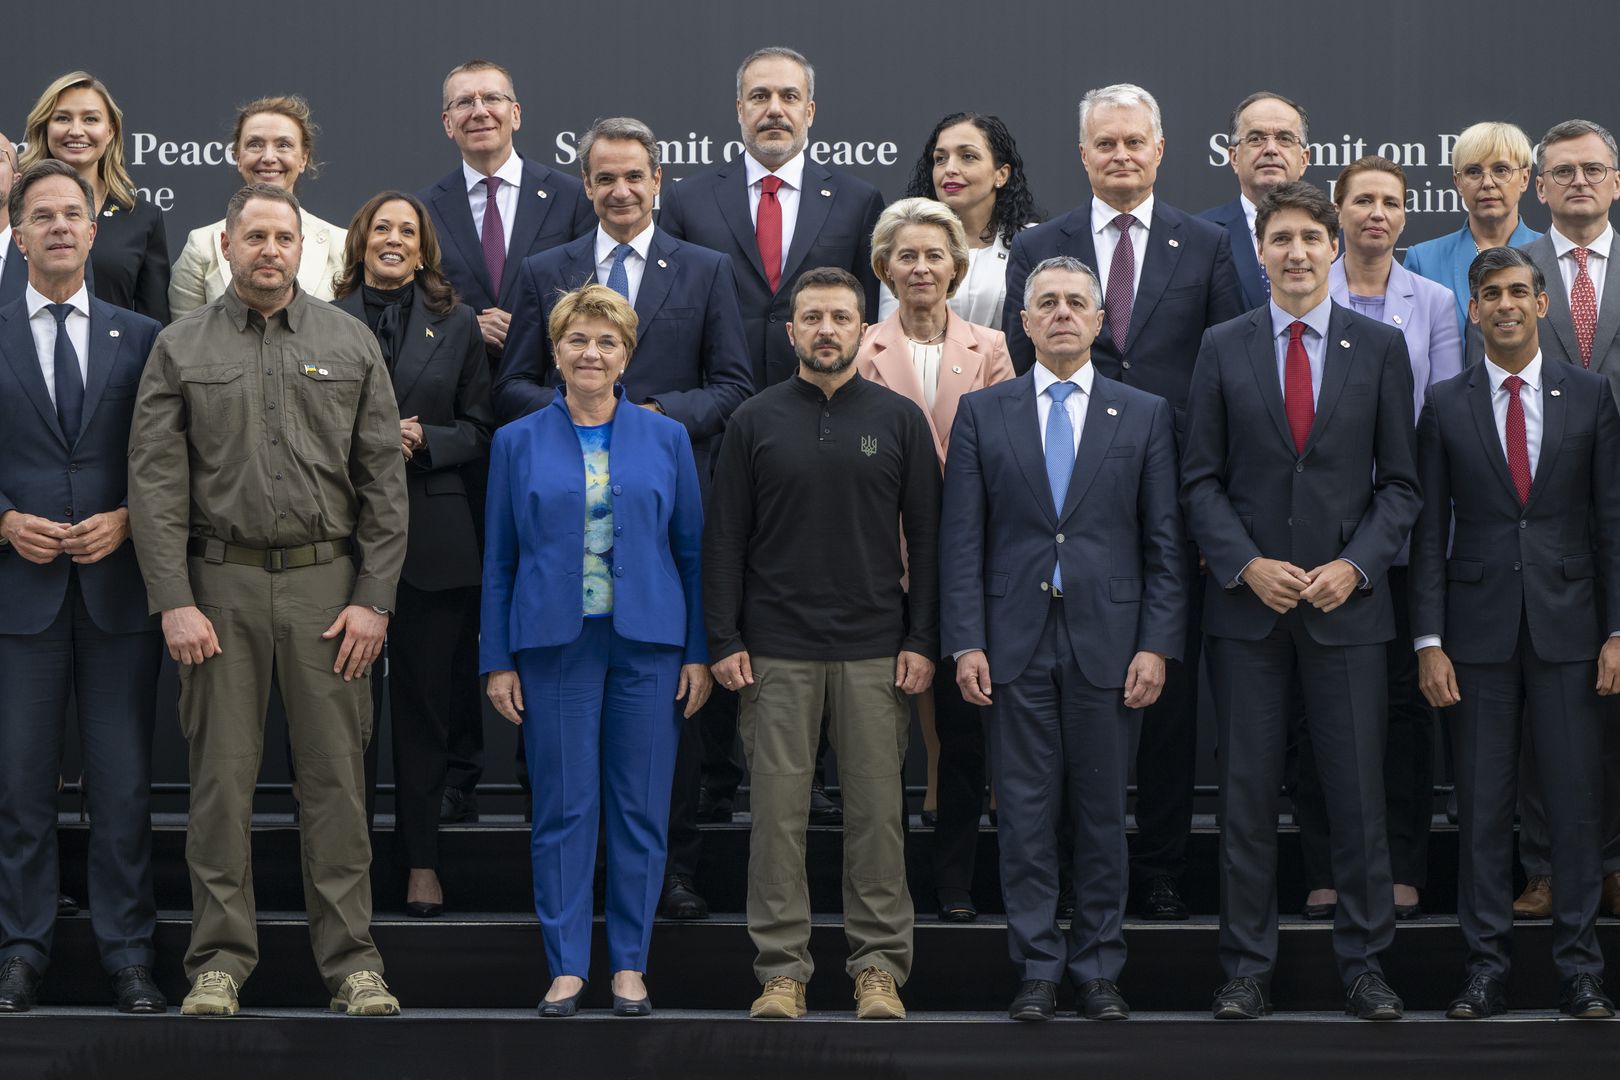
column 1518, row 453
column 1121, row 283
column 768, row 230
column 1297, row 401
column 1583, row 306
column 494, row 235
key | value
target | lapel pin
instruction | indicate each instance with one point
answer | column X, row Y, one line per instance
column 1112, row 411
column 541, row 193
column 662, row 265
column 320, row 238
column 1344, row 344
column 1554, row 391
column 106, row 213
column 1002, row 255
column 827, row 193
column 429, row 330
column 956, row 369
column 1396, row 319
column 1174, row 242
column 114, row 333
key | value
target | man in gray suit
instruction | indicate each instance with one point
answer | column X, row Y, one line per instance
column 1576, row 178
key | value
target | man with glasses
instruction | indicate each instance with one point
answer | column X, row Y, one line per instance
column 1267, row 149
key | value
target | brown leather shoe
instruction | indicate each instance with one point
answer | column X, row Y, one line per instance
column 1609, row 902
column 1536, row 900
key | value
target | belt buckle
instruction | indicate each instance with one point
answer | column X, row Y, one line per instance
column 275, row 560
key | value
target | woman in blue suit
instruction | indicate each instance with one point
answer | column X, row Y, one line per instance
column 592, row 631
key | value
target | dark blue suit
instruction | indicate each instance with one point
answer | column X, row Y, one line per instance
column 14, row 275
column 81, row 630
column 1245, row 259
column 1058, row 724
column 690, row 356
column 602, row 722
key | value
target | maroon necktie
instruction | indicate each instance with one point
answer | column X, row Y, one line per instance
column 1297, row 401
column 1518, row 451
column 768, row 230
column 1583, row 306
column 494, row 236
column 1121, row 283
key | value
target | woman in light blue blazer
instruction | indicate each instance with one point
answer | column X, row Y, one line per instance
column 592, row 631
column 1371, row 196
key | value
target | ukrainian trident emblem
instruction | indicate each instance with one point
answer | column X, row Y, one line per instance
column 868, row 445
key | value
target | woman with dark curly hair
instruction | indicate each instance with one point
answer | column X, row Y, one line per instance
column 971, row 164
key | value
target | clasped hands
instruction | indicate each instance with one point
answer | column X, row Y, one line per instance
column 41, row 540
column 1281, row 585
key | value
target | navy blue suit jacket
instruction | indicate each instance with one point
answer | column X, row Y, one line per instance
column 1245, row 260
column 1187, row 286
column 837, row 212
column 1352, row 494
column 690, row 355
column 41, row 474
column 535, row 536
column 1118, row 534
column 14, row 276
column 1553, row 562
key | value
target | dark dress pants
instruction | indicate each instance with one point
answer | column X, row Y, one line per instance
column 1345, row 706
column 1564, row 715
column 961, row 783
column 1054, row 735
column 465, row 739
column 114, row 680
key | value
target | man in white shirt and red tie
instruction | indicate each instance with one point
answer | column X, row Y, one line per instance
column 1516, row 618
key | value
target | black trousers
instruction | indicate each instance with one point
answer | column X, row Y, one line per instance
column 113, row 678
column 1563, row 713
column 464, row 742
column 1345, row 707
column 961, row 732
column 1060, row 747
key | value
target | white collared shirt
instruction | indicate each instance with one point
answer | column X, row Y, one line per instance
column 792, row 176
column 1105, row 238
column 43, row 325
column 5, row 247
column 1250, row 212
column 635, row 265
column 1597, row 264
column 506, row 196
column 1075, row 403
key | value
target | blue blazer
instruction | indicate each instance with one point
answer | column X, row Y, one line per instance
column 14, row 276
column 41, row 474
column 690, row 353
column 535, row 536
column 1421, row 310
column 1188, row 285
column 1446, row 259
column 1245, row 260
column 1118, row 533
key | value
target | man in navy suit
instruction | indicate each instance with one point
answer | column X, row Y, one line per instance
column 1166, row 277
column 1063, row 592
column 76, row 621
column 13, row 267
column 1299, row 485
column 1516, row 612
column 1267, row 148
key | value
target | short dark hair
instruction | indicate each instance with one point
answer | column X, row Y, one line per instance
column 233, row 209
column 1493, row 259
column 44, row 169
column 825, row 277
column 1297, row 195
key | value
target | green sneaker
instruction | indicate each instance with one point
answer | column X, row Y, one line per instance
column 365, row 994
column 213, row 993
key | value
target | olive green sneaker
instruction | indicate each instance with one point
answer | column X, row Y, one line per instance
column 213, row 993
column 365, row 994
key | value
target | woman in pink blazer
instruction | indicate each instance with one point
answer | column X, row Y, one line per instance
column 933, row 356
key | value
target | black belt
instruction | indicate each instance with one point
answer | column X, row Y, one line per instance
column 271, row 560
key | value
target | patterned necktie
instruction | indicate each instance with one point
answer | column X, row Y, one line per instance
column 1518, row 450
column 1121, row 283
column 69, row 380
column 494, row 236
column 1583, row 306
column 768, row 230
column 618, row 280
column 1059, row 454
column 1297, row 402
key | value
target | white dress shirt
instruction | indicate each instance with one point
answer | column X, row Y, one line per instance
column 1250, row 212
column 5, row 247
column 925, row 362
column 506, row 196
column 1106, row 238
column 1075, row 403
column 43, row 325
column 787, row 196
column 1314, row 339
column 635, row 264
column 1597, row 263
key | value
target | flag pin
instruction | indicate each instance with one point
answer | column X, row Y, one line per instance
column 827, row 193
column 1555, row 392
column 542, row 194
column 429, row 330
column 662, row 265
column 1344, row 344
column 1396, row 319
column 1174, row 242
column 112, row 333
column 955, row 369
column 1112, row 411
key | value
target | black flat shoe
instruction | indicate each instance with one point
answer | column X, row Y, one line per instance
column 1036, row 1000
column 1370, row 998
column 424, row 909
column 930, row 818
column 567, row 1006
column 1319, row 911
column 1481, row 997
column 66, row 906
column 623, row 1006
column 135, row 991
column 956, row 906
column 458, row 807
column 1405, row 912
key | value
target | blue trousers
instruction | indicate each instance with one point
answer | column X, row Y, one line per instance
column 600, row 730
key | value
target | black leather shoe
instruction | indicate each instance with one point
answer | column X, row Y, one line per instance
column 1036, row 1000
column 567, row 1006
column 458, row 806
column 423, row 909
column 681, row 900
column 136, row 992
column 66, row 906
column 1581, row 997
column 19, row 986
column 1241, row 999
column 1480, row 997
column 1161, row 901
column 1100, row 1000
column 1407, row 912
column 955, row 905
column 823, row 810
column 1370, row 998
column 711, row 809
column 623, row 1006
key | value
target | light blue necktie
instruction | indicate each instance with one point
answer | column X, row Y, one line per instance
column 618, row 280
column 1059, row 454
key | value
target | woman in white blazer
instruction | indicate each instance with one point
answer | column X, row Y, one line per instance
column 274, row 143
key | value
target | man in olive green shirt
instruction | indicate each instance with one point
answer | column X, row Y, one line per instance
column 268, row 508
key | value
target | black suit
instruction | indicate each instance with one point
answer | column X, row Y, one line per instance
column 74, row 630
column 1187, row 285
column 1245, row 257
column 1522, row 604
column 439, row 376
column 14, row 275
column 129, row 262
column 1351, row 494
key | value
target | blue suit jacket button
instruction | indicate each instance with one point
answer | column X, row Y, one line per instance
column 618, row 489
column 618, row 571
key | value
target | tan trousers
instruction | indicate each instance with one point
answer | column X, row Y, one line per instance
column 270, row 625
column 780, row 720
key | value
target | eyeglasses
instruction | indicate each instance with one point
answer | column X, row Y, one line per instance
column 467, row 103
column 1501, row 172
column 1593, row 171
column 1285, row 140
